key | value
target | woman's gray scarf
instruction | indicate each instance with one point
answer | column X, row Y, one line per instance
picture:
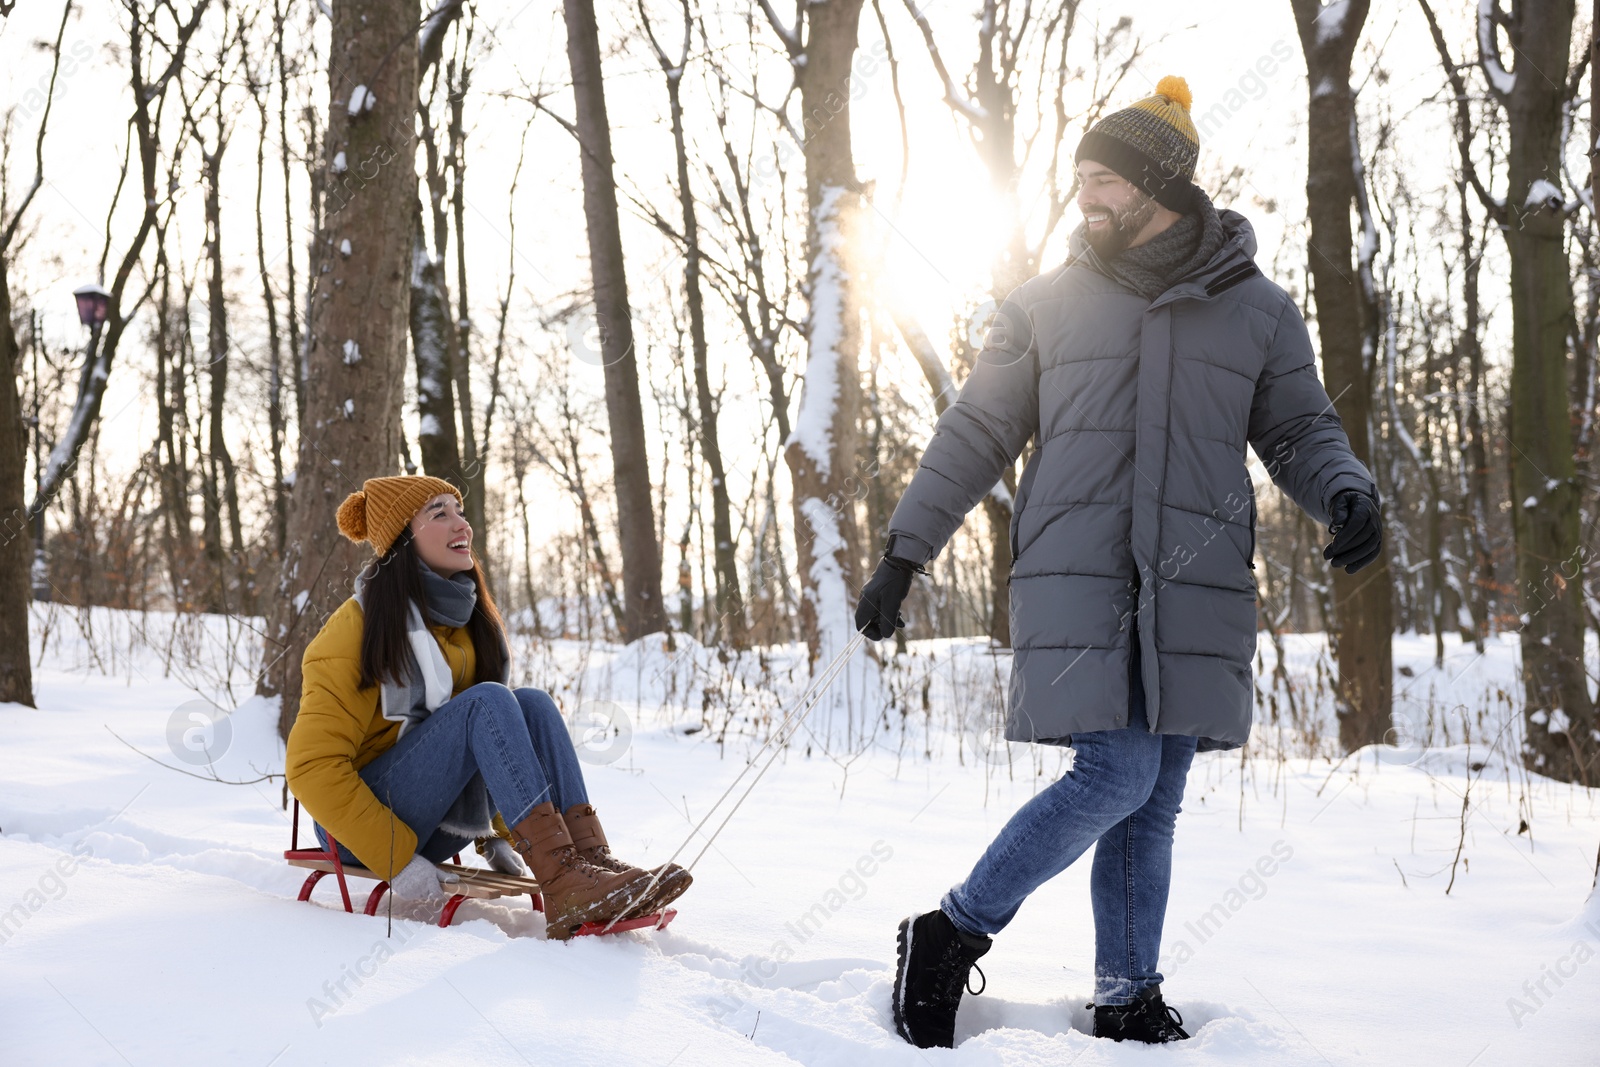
column 427, row 681
column 1173, row 254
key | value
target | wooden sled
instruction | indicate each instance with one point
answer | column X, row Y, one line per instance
column 478, row 883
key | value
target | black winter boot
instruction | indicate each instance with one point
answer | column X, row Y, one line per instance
column 935, row 960
column 1149, row 1019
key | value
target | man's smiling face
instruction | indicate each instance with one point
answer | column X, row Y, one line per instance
column 1114, row 210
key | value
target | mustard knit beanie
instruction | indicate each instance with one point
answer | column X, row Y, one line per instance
column 383, row 507
column 1152, row 143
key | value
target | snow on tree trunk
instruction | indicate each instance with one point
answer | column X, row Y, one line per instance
column 431, row 337
column 822, row 448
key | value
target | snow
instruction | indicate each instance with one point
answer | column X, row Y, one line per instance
column 339, row 163
column 361, row 99
column 1543, row 194
column 1002, row 495
column 429, row 426
column 352, row 353
column 435, row 24
column 1500, row 80
column 1332, row 21
column 344, row 248
column 813, row 423
column 837, row 719
column 148, row 916
column 349, row 408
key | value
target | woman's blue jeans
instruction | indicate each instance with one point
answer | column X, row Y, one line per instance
column 1122, row 796
column 515, row 737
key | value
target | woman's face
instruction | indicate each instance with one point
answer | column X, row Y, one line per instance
column 443, row 536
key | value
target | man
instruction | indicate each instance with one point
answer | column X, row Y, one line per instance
column 1141, row 369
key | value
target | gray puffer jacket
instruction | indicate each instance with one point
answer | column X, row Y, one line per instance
column 1135, row 513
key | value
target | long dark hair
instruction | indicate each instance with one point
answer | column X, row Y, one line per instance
column 394, row 581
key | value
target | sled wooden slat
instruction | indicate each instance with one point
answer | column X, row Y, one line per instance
column 475, row 881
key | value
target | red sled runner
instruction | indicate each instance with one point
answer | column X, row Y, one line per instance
column 478, row 883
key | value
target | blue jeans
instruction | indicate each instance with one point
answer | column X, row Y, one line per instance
column 515, row 738
column 1122, row 796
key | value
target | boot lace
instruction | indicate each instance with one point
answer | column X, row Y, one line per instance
column 1169, row 1023
column 955, row 973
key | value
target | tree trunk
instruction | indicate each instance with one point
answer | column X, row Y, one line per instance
column 1544, row 486
column 16, row 539
column 821, row 451
column 276, row 430
column 222, row 488
column 431, row 341
column 1476, row 510
column 357, row 330
column 474, row 446
column 1363, row 609
column 636, row 528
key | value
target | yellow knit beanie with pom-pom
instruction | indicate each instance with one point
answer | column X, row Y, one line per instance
column 382, row 507
column 1152, row 143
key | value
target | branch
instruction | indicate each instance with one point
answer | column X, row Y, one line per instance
column 1489, row 17
column 155, row 88
column 958, row 101
column 899, row 102
column 430, row 42
column 789, row 37
column 927, row 357
column 1458, row 84
column 38, row 149
column 212, row 777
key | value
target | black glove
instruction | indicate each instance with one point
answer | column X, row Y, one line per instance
column 878, row 611
column 1357, row 527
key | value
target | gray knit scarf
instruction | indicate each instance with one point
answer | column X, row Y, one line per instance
column 1173, row 254
column 427, row 680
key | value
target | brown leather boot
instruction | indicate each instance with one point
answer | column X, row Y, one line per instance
column 670, row 879
column 575, row 891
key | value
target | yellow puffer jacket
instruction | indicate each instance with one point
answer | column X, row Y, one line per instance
column 341, row 729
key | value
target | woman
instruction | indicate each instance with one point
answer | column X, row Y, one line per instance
column 407, row 728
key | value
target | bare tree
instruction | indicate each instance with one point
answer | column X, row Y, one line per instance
column 1364, row 625
column 644, row 612
column 357, row 330
column 219, row 480
column 729, row 603
column 16, row 662
column 149, row 94
column 259, row 82
column 1545, row 492
column 1473, row 506
column 822, row 449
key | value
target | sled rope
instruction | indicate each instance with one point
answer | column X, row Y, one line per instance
column 787, row 727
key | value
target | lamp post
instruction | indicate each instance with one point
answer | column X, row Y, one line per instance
column 93, row 304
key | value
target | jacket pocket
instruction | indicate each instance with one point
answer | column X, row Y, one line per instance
column 1251, row 558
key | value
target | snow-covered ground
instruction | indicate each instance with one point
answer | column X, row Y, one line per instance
column 147, row 916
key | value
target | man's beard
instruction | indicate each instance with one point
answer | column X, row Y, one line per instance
column 1125, row 224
